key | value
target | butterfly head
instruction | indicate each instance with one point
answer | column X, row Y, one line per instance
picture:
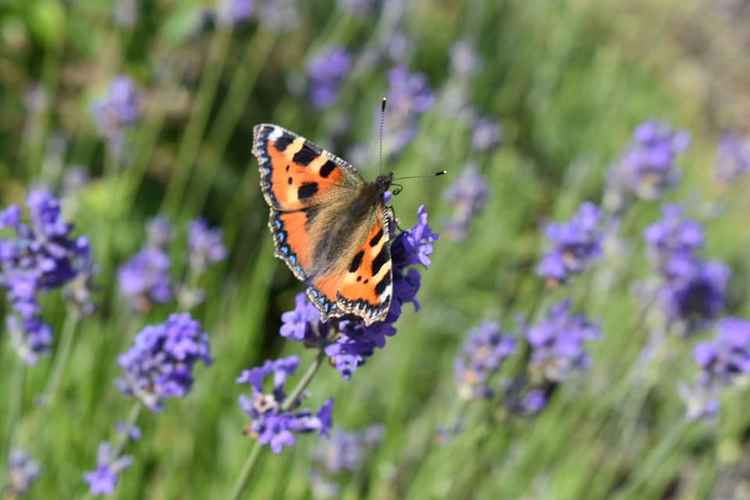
column 384, row 183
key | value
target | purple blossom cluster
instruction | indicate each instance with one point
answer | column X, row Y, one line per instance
column 117, row 110
column 692, row 290
column 104, row 478
column 465, row 62
column 722, row 361
column 574, row 245
column 733, row 157
column 145, row 279
column 409, row 96
column 468, row 196
column 326, row 72
column 558, row 343
column 339, row 456
column 482, row 356
column 40, row 256
column 160, row 363
column 23, row 472
column 273, row 420
column 355, row 342
column 647, row 168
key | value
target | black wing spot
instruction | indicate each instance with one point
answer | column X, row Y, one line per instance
column 289, row 181
column 366, row 281
column 359, row 278
column 375, row 239
column 380, row 288
column 356, row 261
column 380, row 260
column 284, row 141
column 287, row 168
column 327, row 168
column 307, row 190
column 305, row 155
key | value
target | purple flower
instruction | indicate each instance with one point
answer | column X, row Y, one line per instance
column 693, row 290
column 23, row 472
column 409, row 96
column 160, row 363
column 673, row 234
column 534, row 401
column 733, row 158
column 41, row 256
column 278, row 16
column 206, row 246
column 271, row 423
column 574, row 245
column 557, row 342
column 326, row 72
column 234, row 12
column 647, row 168
column 132, row 432
column 144, row 280
column 355, row 342
column 722, row 361
column 468, row 196
column 117, row 110
column 482, row 356
column 104, row 478
column 486, row 135
column 159, row 233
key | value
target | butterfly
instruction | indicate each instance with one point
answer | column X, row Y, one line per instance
column 330, row 226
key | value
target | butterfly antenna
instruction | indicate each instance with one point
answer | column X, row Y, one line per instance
column 434, row 174
column 382, row 123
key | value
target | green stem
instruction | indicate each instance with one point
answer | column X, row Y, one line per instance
column 16, row 403
column 61, row 360
column 249, row 465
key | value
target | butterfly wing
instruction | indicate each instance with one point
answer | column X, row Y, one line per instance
column 361, row 281
column 298, row 179
column 296, row 173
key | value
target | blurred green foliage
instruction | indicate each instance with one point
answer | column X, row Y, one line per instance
column 568, row 80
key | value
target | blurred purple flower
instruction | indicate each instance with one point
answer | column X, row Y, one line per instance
column 271, row 424
column 159, row 365
column 409, row 96
column 303, row 322
column 557, row 342
column 693, row 290
column 234, row 12
column 733, row 158
column 132, row 432
column 117, row 110
column 672, row 234
column 534, row 401
column 482, row 356
column 206, row 246
column 326, row 72
column 104, row 478
column 722, row 361
column 23, row 472
column 486, row 135
column 278, row 16
column 468, row 196
column 647, row 168
column 144, row 280
column 41, row 256
column 359, row 8
column 574, row 245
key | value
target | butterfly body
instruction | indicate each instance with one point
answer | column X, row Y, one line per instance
column 330, row 226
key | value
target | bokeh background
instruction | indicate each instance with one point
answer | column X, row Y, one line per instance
column 132, row 109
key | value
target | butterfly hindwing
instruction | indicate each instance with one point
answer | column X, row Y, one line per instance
column 296, row 173
column 362, row 285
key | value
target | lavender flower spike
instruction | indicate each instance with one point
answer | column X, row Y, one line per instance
column 160, row 363
column 144, row 280
column 271, row 424
column 326, row 72
column 23, row 472
column 574, row 245
column 468, row 195
column 206, row 246
column 733, row 157
column 557, row 343
column 409, row 96
column 483, row 353
column 103, row 480
column 119, row 109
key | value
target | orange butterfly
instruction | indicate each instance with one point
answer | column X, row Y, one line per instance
column 329, row 225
